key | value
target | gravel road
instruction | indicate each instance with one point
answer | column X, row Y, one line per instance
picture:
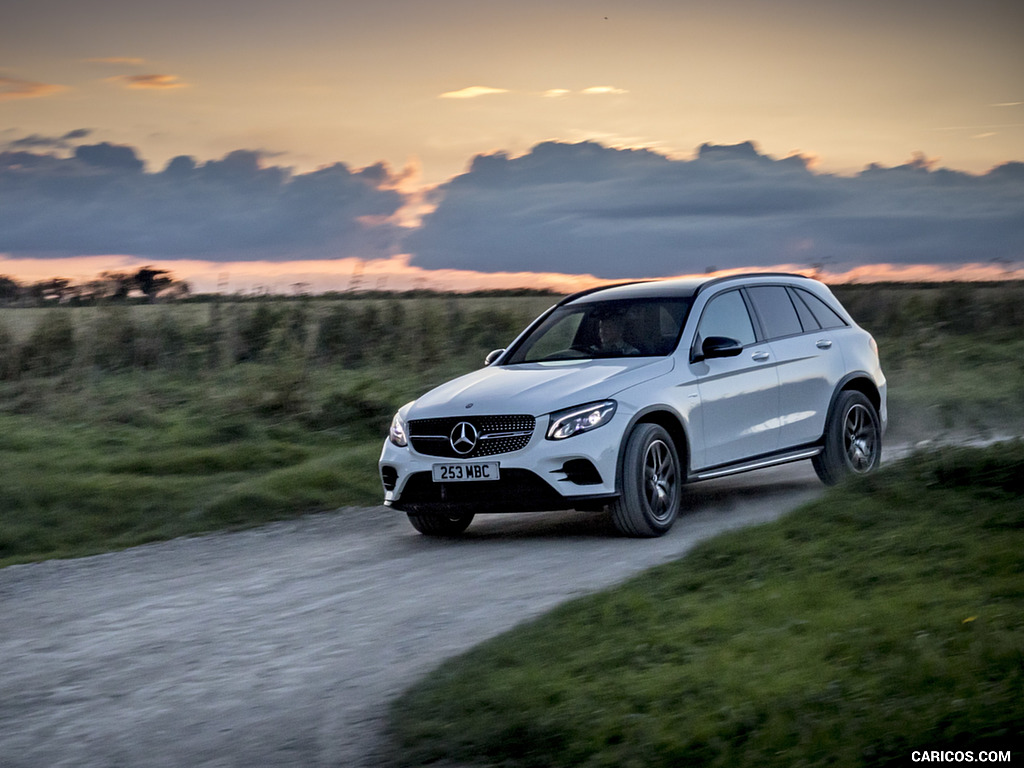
column 281, row 646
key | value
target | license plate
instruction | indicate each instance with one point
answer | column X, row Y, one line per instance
column 462, row 473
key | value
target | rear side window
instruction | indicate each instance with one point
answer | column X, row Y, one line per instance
column 825, row 315
column 777, row 312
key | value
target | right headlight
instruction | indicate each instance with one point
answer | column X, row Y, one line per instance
column 582, row 418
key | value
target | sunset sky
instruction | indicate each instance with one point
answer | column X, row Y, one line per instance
column 575, row 137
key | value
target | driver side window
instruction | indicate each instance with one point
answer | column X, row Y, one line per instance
column 726, row 315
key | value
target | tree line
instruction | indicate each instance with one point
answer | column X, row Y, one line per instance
column 145, row 284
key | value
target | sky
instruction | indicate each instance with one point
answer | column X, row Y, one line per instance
column 461, row 144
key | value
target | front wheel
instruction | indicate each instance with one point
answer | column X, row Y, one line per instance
column 652, row 480
column 853, row 439
column 441, row 524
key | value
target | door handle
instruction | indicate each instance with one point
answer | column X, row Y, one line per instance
column 759, row 357
column 824, row 344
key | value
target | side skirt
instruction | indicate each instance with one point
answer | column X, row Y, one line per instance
column 761, row 462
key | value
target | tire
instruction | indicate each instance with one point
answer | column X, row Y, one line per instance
column 853, row 439
column 444, row 524
column 652, row 481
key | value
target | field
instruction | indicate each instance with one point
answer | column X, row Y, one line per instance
column 125, row 424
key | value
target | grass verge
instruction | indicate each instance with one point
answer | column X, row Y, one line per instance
column 887, row 617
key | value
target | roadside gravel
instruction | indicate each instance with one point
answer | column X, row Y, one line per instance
column 282, row 646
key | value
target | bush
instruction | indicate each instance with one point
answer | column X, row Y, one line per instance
column 50, row 348
column 9, row 355
column 255, row 330
column 331, row 341
column 113, row 339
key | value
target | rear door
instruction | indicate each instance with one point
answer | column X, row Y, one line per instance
column 808, row 359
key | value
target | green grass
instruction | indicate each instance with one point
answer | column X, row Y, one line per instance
column 138, row 457
column 887, row 617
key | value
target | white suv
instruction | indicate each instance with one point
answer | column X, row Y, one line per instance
column 618, row 396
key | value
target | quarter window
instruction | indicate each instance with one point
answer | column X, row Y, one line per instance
column 807, row 319
column 826, row 316
column 776, row 310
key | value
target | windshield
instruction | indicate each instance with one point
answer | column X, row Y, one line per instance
column 605, row 329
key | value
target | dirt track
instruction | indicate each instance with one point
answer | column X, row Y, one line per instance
column 282, row 646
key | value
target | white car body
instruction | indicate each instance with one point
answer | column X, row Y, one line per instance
column 764, row 404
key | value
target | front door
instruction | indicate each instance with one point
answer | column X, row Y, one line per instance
column 739, row 396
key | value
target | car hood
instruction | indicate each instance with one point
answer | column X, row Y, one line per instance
column 536, row 388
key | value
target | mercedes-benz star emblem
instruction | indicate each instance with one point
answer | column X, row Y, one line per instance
column 463, row 438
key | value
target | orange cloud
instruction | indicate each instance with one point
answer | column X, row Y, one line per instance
column 131, row 61
column 472, row 92
column 10, row 88
column 600, row 90
column 150, row 82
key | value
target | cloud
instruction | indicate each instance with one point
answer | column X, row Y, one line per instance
column 111, row 157
column 476, row 91
column 472, row 92
column 102, row 200
column 614, row 213
column 119, row 60
column 36, row 140
column 577, row 209
column 150, row 82
column 12, row 88
column 601, row 90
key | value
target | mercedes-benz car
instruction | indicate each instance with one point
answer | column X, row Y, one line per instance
column 614, row 398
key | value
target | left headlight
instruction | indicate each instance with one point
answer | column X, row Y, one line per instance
column 582, row 418
column 399, row 432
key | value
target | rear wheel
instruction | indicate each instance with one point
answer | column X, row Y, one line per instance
column 441, row 524
column 853, row 439
column 652, row 480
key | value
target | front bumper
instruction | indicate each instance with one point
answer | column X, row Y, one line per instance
column 578, row 472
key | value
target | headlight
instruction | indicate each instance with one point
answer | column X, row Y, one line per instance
column 582, row 418
column 399, row 432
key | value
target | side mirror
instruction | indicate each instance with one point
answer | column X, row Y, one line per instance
column 493, row 355
column 718, row 346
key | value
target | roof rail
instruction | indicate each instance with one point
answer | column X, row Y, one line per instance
column 711, row 282
column 746, row 275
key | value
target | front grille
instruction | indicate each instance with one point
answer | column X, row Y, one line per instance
column 495, row 434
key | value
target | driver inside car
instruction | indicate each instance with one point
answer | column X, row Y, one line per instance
column 610, row 332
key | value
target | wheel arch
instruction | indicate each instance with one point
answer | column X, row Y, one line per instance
column 668, row 420
column 857, row 382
